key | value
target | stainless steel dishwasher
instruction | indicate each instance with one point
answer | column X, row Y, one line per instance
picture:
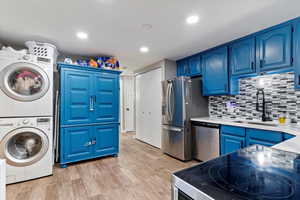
column 206, row 140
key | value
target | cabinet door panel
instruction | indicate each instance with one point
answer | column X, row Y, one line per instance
column 215, row 72
column 260, row 142
column 296, row 54
column 76, row 143
column 106, row 139
column 106, row 98
column 242, row 57
column 274, row 49
column 195, row 65
column 76, row 97
column 231, row 143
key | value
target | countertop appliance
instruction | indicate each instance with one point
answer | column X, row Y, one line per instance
column 26, row 145
column 255, row 172
column 205, row 140
column 181, row 100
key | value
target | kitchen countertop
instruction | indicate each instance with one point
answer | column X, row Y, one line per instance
column 292, row 145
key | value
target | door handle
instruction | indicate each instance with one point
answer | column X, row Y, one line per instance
column 91, row 104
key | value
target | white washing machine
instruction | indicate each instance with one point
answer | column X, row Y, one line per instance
column 26, row 84
column 26, row 145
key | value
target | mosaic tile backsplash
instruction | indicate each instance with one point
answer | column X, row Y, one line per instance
column 279, row 92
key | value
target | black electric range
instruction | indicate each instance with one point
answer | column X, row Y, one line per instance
column 256, row 172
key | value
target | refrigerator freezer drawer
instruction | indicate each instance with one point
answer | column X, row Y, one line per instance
column 176, row 142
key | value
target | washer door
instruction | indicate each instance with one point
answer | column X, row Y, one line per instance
column 24, row 146
column 24, row 81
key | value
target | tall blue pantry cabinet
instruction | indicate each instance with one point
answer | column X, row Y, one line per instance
column 89, row 113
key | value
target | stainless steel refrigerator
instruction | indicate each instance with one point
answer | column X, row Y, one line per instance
column 182, row 99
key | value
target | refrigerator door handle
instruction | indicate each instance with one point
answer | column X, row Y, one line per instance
column 172, row 94
column 168, row 102
column 170, row 128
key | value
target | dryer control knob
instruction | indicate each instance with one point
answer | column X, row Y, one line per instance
column 26, row 57
column 25, row 121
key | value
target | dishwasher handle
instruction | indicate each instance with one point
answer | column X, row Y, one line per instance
column 206, row 124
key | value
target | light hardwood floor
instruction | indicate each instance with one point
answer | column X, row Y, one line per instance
column 141, row 172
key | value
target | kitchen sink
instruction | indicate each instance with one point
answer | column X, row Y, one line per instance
column 263, row 123
column 256, row 123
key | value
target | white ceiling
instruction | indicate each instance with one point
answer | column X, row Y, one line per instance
column 115, row 26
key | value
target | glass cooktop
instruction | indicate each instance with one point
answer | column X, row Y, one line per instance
column 256, row 172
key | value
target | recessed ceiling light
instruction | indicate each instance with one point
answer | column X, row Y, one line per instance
column 82, row 35
column 144, row 49
column 192, row 19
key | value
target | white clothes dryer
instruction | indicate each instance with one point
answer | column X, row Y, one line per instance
column 26, row 145
column 26, row 85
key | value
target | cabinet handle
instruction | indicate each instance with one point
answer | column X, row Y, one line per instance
column 93, row 141
column 299, row 80
column 91, row 104
column 225, row 87
column 89, row 143
column 252, row 65
column 261, row 62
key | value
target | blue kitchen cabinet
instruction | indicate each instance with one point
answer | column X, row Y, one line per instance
column 76, row 97
column 242, row 57
column 296, row 54
column 89, row 113
column 274, row 49
column 232, row 139
column 263, row 137
column 288, row 136
column 215, row 72
column 106, row 139
column 231, row 143
column 195, row 65
column 106, row 98
column 183, row 67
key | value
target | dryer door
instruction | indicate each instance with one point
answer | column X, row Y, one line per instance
column 24, row 146
column 24, row 81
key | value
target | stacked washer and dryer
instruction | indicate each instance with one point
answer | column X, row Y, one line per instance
column 26, row 111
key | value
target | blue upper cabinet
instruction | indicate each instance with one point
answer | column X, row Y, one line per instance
column 274, row 49
column 242, row 57
column 183, row 67
column 106, row 98
column 215, row 72
column 195, row 65
column 76, row 97
column 297, row 53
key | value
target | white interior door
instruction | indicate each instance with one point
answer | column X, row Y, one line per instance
column 128, row 96
column 148, row 107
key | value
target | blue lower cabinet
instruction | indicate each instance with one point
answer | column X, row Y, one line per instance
column 106, row 139
column 230, row 143
column 87, row 142
column 263, row 137
column 234, row 138
column 75, row 144
column 288, row 136
column 260, row 142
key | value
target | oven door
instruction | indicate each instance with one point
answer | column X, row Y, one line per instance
column 179, row 195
